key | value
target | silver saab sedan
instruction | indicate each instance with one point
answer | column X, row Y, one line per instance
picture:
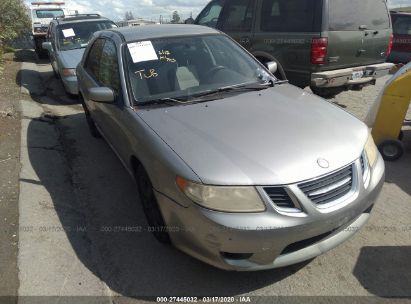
column 233, row 166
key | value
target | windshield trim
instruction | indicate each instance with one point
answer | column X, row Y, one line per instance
column 134, row 102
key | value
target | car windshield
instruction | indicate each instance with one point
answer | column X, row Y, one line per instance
column 49, row 13
column 187, row 67
column 77, row 35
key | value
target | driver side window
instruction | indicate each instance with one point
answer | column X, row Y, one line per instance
column 109, row 71
column 92, row 64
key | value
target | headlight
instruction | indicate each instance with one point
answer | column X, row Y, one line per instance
column 221, row 198
column 69, row 72
column 371, row 150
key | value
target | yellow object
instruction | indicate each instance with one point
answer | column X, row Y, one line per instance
column 387, row 115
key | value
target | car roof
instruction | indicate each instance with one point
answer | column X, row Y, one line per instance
column 161, row 31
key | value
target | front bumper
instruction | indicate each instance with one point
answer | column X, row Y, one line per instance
column 70, row 84
column 269, row 239
column 399, row 57
column 344, row 77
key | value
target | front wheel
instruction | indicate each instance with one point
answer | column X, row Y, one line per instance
column 391, row 149
column 150, row 206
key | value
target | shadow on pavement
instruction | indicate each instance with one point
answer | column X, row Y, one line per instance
column 385, row 271
column 40, row 83
column 107, row 228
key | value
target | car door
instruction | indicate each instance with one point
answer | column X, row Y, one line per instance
column 110, row 118
column 89, row 77
column 237, row 20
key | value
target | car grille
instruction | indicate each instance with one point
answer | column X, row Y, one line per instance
column 329, row 188
column 279, row 197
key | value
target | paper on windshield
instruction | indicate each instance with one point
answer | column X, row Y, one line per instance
column 142, row 51
column 68, row 33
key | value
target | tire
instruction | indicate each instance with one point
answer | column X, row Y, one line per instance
column 327, row 93
column 391, row 149
column 90, row 122
column 150, row 206
column 56, row 75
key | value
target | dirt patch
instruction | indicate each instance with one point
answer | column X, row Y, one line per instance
column 9, row 174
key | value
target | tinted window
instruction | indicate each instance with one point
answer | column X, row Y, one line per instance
column 93, row 60
column 211, row 14
column 238, row 15
column 77, row 35
column 291, row 15
column 108, row 71
column 348, row 15
column 402, row 25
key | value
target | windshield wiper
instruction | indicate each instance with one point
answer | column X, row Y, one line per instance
column 161, row 101
column 236, row 88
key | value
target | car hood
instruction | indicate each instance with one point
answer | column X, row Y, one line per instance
column 70, row 59
column 269, row 137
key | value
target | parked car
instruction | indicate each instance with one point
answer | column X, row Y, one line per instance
column 401, row 48
column 233, row 166
column 330, row 45
column 67, row 38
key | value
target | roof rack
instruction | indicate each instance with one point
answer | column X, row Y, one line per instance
column 76, row 17
column 83, row 15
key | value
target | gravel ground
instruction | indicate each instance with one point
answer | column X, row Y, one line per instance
column 9, row 174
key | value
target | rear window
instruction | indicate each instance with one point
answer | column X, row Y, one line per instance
column 401, row 25
column 49, row 13
column 291, row 15
column 349, row 15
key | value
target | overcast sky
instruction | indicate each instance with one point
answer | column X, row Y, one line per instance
column 152, row 9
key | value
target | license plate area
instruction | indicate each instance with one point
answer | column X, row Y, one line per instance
column 357, row 75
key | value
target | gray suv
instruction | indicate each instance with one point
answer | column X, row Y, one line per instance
column 330, row 45
column 67, row 38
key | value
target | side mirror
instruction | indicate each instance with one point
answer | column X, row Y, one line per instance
column 189, row 21
column 101, row 94
column 46, row 46
column 272, row 66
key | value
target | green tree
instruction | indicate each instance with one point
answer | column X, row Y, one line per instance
column 14, row 20
column 175, row 18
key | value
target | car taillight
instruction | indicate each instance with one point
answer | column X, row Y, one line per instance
column 388, row 52
column 318, row 50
